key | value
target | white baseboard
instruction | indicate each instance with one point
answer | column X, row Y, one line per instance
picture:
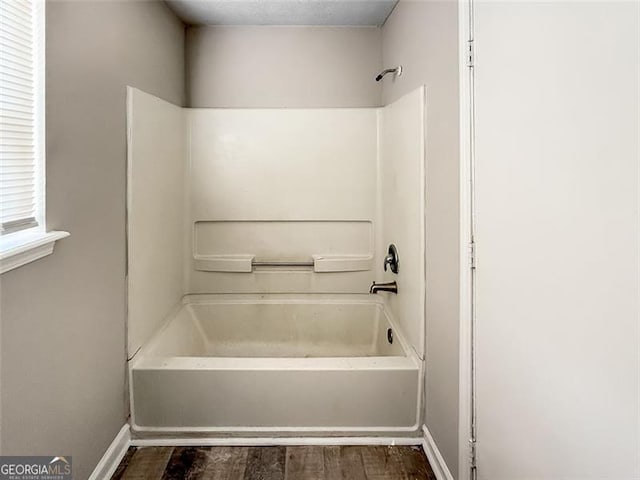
column 271, row 441
column 438, row 465
column 111, row 459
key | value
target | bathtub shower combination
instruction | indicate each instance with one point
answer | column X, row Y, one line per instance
column 254, row 240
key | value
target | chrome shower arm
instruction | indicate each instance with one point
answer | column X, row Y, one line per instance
column 397, row 71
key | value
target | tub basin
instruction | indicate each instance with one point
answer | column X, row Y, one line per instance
column 329, row 364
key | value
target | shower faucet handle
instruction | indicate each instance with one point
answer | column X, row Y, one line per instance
column 392, row 259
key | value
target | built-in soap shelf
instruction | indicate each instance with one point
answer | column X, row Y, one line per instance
column 224, row 263
column 247, row 263
column 342, row 263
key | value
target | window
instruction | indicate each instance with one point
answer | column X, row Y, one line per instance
column 23, row 235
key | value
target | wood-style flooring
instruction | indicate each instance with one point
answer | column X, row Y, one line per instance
column 275, row 463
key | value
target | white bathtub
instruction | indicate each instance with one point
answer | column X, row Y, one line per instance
column 276, row 363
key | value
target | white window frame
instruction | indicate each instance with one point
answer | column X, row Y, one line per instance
column 25, row 246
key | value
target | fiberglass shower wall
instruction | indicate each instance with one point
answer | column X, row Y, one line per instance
column 273, row 201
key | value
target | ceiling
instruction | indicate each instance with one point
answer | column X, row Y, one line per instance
column 283, row 12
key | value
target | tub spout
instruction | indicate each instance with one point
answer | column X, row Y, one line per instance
column 384, row 287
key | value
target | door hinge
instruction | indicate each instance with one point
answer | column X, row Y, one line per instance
column 470, row 54
column 472, row 458
column 472, row 254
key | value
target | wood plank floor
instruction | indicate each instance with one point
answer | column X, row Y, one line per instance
column 275, row 463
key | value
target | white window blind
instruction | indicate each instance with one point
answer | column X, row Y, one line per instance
column 21, row 115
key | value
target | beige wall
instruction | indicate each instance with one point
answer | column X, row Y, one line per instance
column 422, row 36
column 63, row 329
column 283, row 66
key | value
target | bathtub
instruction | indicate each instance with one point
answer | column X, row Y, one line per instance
column 325, row 364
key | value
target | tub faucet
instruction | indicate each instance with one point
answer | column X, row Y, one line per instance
column 384, row 287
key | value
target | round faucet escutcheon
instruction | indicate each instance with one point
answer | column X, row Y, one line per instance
column 392, row 259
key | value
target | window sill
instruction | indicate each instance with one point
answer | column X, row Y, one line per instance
column 27, row 247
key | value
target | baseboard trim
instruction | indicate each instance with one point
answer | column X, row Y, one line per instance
column 113, row 455
column 272, row 441
column 438, row 465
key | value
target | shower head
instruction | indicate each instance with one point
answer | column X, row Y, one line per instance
column 397, row 71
